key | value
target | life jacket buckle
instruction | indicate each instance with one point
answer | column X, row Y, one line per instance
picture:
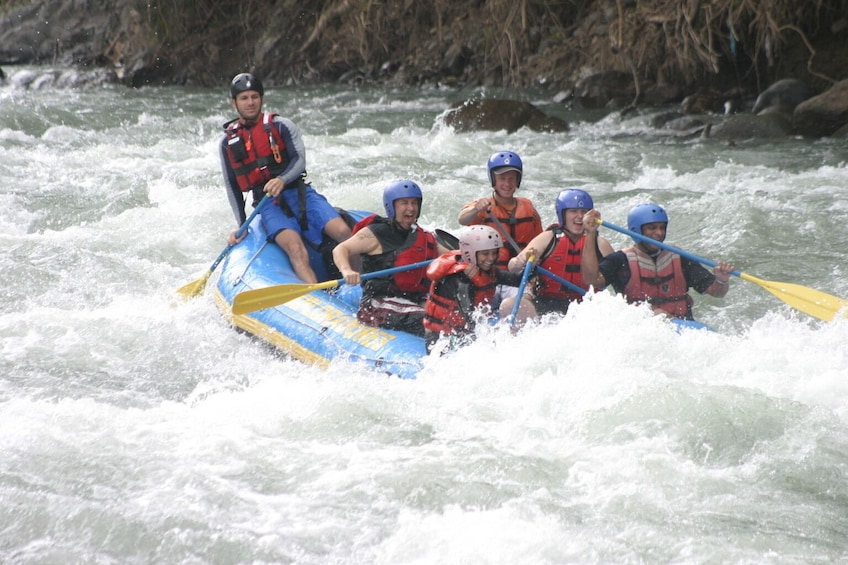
column 275, row 149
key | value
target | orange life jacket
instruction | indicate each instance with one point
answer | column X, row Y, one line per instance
column 563, row 260
column 521, row 223
column 660, row 282
column 448, row 314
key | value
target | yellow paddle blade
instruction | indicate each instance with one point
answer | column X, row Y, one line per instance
column 813, row 302
column 194, row 288
column 252, row 300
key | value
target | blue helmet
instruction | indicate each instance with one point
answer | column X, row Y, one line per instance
column 400, row 189
column 644, row 214
column 505, row 161
column 572, row 198
column 243, row 82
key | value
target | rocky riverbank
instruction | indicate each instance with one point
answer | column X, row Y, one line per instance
column 708, row 57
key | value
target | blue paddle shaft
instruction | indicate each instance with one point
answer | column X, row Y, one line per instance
column 661, row 245
column 241, row 230
column 528, row 268
column 393, row 270
column 561, row 280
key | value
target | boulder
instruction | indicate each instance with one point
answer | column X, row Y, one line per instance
column 601, row 89
column 661, row 95
column 770, row 125
column 703, row 101
column 823, row 115
column 59, row 31
column 491, row 114
column 785, row 95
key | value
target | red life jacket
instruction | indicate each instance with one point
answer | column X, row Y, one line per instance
column 521, row 223
column 256, row 153
column 658, row 281
column 564, row 261
column 419, row 245
column 444, row 314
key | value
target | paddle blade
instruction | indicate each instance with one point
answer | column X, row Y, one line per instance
column 194, row 288
column 810, row 301
column 447, row 239
column 252, row 300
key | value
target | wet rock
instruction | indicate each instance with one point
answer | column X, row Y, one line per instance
column 841, row 133
column 823, row 115
column 703, row 101
column 769, row 125
column 785, row 95
column 601, row 89
column 491, row 114
column 661, row 95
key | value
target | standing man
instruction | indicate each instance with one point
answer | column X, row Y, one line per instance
column 264, row 154
column 647, row 273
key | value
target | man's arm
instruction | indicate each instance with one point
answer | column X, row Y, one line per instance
column 362, row 242
column 295, row 149
column 589, row 270
column 473, row 210
column 703, row 281
column 234, row 194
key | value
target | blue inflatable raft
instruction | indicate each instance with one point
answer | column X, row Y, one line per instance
column 316, row 328
column 320, row 326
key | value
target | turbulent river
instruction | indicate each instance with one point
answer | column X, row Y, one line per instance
column 139, row 428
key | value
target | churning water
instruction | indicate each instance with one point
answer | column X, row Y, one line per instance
column 138, row 428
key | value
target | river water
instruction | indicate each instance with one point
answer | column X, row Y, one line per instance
column 139, row 428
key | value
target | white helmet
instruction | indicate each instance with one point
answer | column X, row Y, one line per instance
column 478, row 238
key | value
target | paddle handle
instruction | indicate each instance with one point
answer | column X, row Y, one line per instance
column 665, row 246
column 393, row 270
column 382, row 273
column 504, row 232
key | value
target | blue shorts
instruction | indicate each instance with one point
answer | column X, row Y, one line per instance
column 318, row 212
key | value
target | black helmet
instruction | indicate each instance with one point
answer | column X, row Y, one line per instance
column 243, row 82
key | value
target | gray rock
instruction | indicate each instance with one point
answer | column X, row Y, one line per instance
column 749, row 126
column 784, row 95
column 823, row 115
column 596, row 91
column 491, row 114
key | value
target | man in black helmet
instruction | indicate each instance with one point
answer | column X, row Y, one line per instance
column 263, row 154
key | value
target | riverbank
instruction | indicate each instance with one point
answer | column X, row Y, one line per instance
column 658, row 53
